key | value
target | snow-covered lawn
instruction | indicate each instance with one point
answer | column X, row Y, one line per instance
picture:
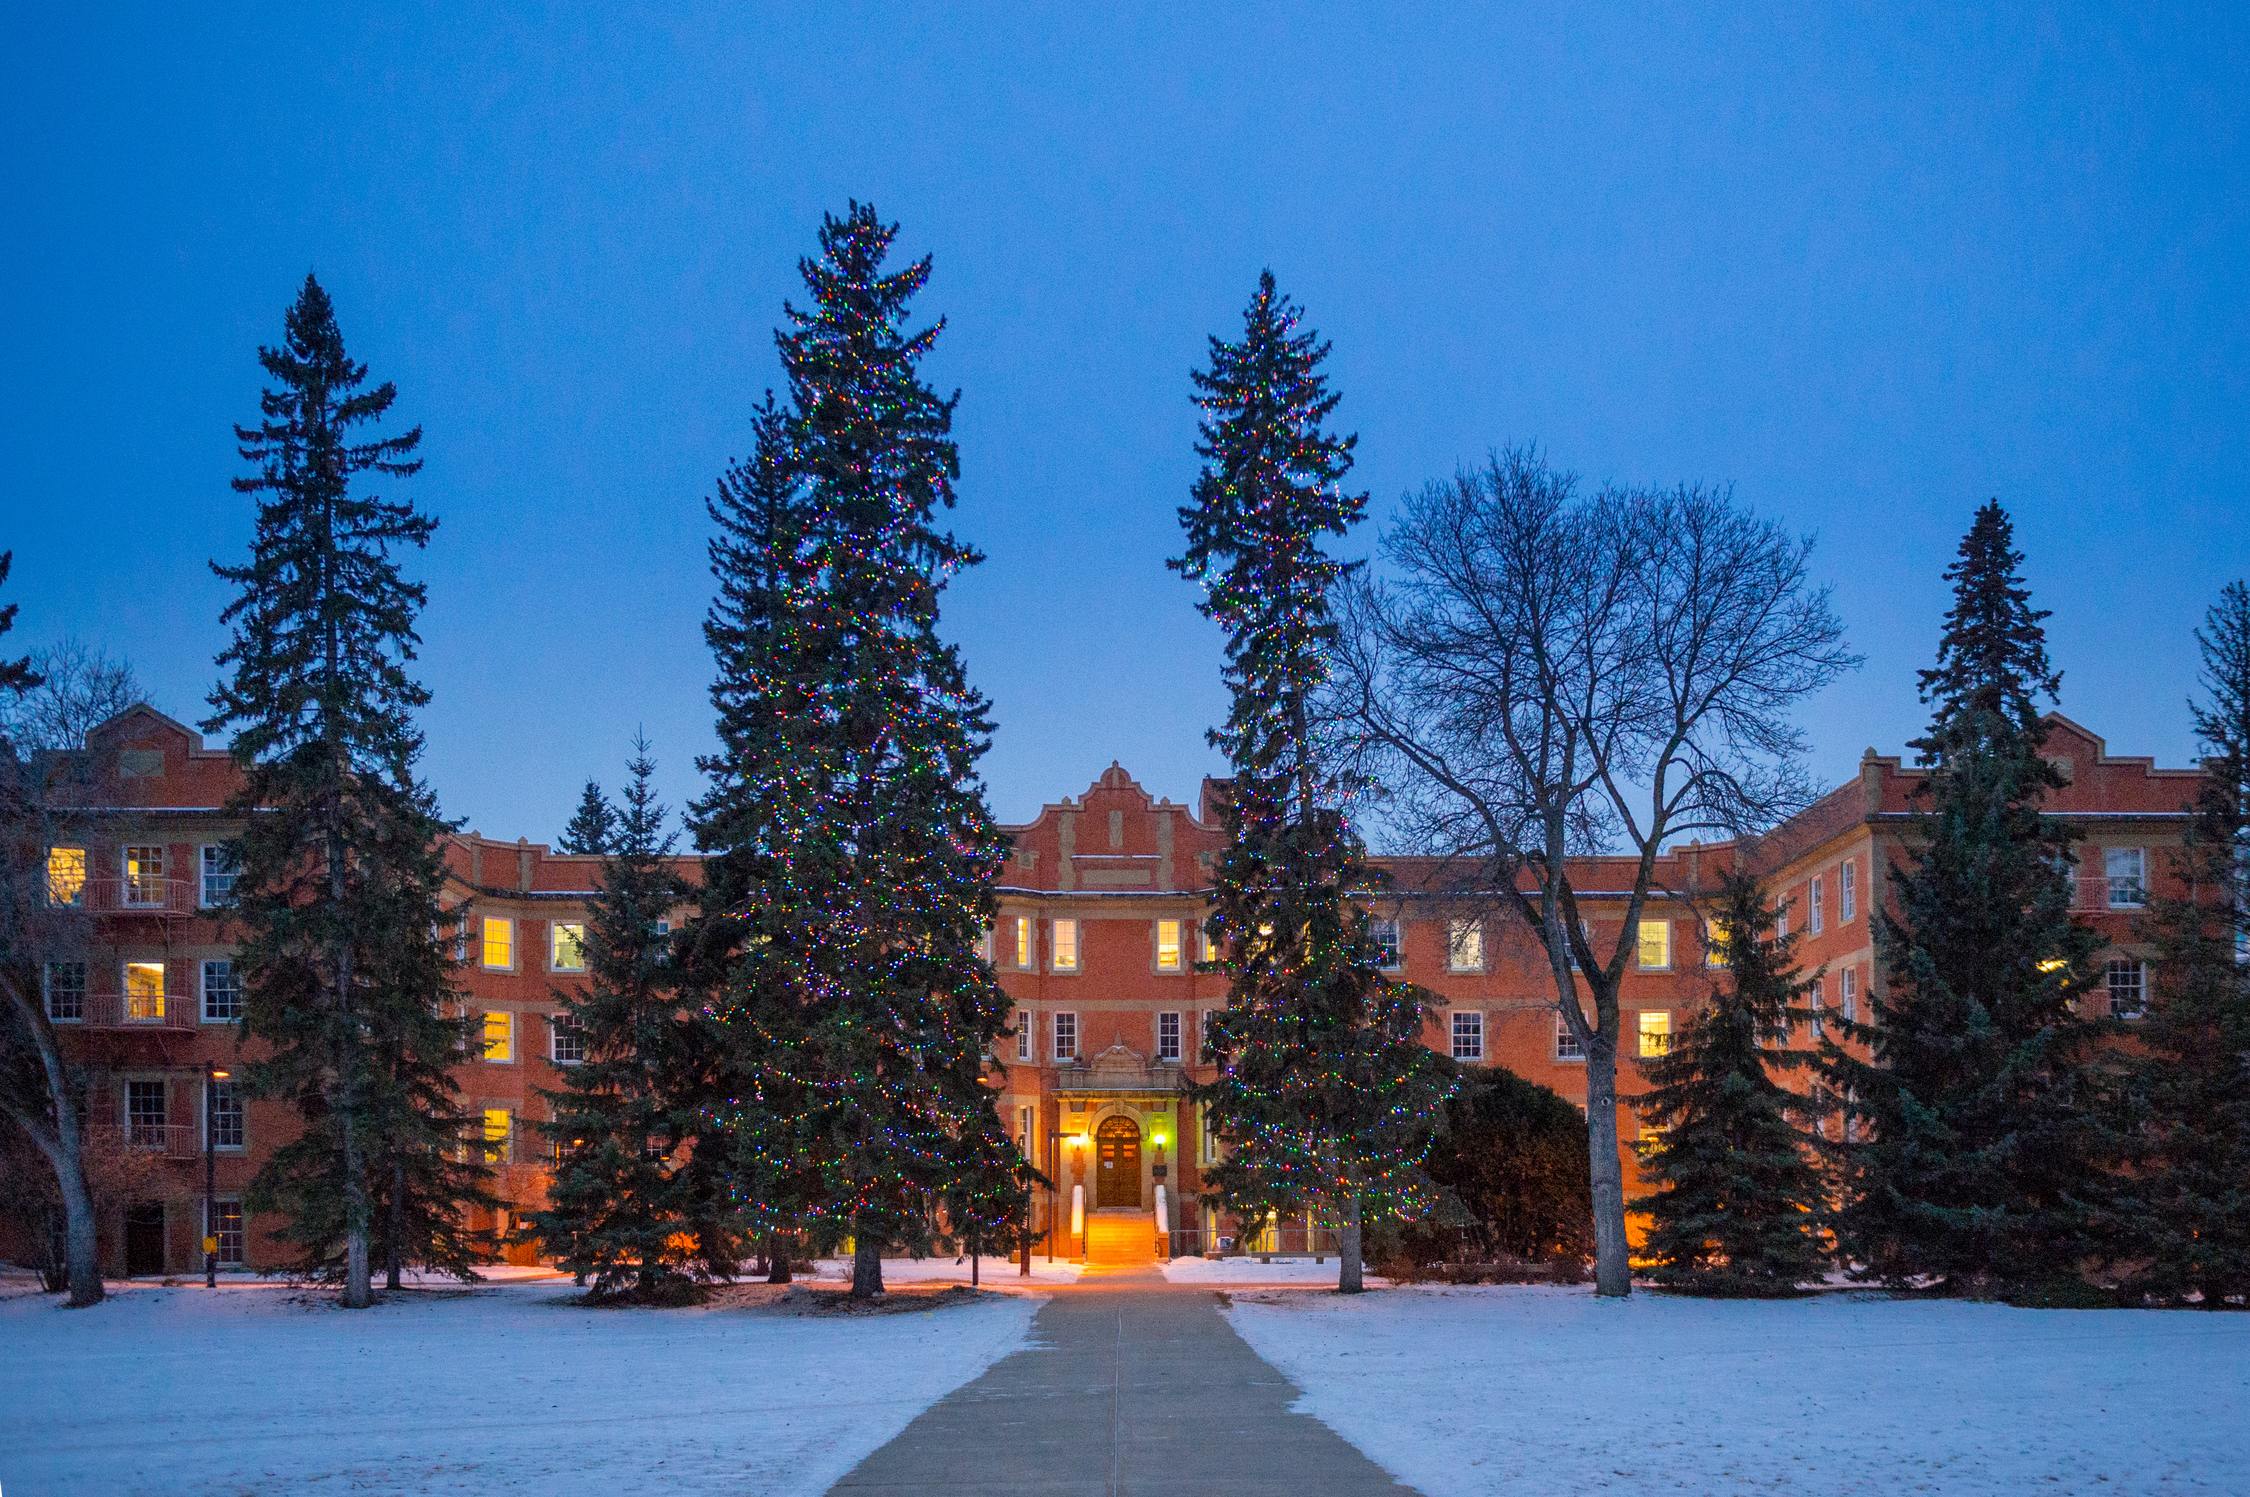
column 996, row 1273
column 1221, row 1272
column 506, row 1389
column 1492, row 1390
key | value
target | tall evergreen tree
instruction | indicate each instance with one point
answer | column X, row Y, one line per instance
column 871, row 853
column 1986, row 1140
column 1737, row 1187
column 1325, row 1094
column 345, row 981
column 591, row 826
column 2189, row 1193
column 615, row 1211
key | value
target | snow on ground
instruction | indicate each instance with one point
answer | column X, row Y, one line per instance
column 1460, row 1391
column 507, row 1389
column 1225, row 1271
column 996, row 1273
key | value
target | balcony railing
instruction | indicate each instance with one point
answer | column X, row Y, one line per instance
column 2091, row 892
column 171, row 1012
column 131, row 895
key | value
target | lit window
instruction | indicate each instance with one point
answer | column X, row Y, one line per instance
column 147, row 1114
column 222, row 993
column 65, row 984
column 1847, row 892
column 1168, row 946
column 2126, row 868
column 66, row 875
column 229, row 1129
column 1065, row 936
column 144, row 991
column 1816, row 913
column 2128, row 988
column 1384, row 935
column 1654, row 945
column 1566, row 1043
column 499, row 1128
column 1715, row 944
column 1205, row 949
column 1023, row 940
column 568, row 1040
column 1464, row 946
column 1656, row 1032
column 499, row 945
column 1024, row 1021
column 144, row 876
column 499, row 1036
column 226, row 1225
column 568, row 946
column 1066, row 1036
column 1847, row 995
column 1468, row 1035
column 1168, row 1038
column 219, row 873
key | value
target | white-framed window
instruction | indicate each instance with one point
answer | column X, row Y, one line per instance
column 1464, row 946
column 1170, row 948
column 1389, row 953
column 660, row 935
column 496, row 945
column 1468, row 1034
column 566, row 1040
column 1715, row 943
column 144, row 875
column 1206, row 950
column 499, row 1037
column 2126, row 869
column 1847, row 892
column 225, row 1224
column 1566, row 1043
column 1781, row 918
column 1816, row 912
column 1652, row 945
column 1817, row 998
column 222, row 991
column 461, row 919
column 1020, row 946
column 1063, row 936
column 1847, row 994
column 1655, row 1032
column 1027, row 1127
column 145, row 992
column 66, row 877
column 229, row 1120
column 1025, row 1019
column 217, row 873
column 1206, row 1138
column 566, row 946
column 1066, row 1036
column 499, row 1134
column 64, row 984
column 148, row 1113
column 2127, row 981
column 1168, row 1038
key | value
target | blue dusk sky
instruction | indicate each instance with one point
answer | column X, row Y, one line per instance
column 1870, row 265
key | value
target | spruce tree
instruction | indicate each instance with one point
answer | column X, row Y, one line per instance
column 346, row 984
column 1986, row 1140
column 1325, row 1094
column 591, row 826
column 1737, row 1187
column 615, row 1212
column 871, row 852
column 2188, row 1195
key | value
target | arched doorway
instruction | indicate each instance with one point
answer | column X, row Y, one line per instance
column 1117, row 1162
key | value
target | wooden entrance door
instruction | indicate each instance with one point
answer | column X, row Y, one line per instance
column 144, row 1238
column 1117, row 1163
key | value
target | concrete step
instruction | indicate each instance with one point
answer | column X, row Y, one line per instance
column 1121, row 1237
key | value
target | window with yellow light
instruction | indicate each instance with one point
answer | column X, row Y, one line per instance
column 66, row 875
column 144, row 991
column 569, row 953
column 1168, row 945
column 499, row 1036
column 1655, row 1032
column 499, row 1123
column 499, row 953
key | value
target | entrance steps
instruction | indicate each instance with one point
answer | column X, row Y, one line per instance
column 1120, row 1239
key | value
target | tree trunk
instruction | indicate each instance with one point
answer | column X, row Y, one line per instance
column 867, row 1264
column 777, row 1259
column 1613, row 1274
column 1348, row 1247
column 392, row 1266
column 55, row 1132
column 82, row 1250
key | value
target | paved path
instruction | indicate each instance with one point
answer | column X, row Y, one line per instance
column 1130, row 1387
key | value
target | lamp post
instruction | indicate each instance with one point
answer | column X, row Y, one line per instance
column 212, row 1076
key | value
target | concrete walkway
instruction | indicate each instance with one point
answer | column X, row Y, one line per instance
column 1130, row 1387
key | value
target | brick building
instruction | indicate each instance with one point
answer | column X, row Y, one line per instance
column 1097, row 941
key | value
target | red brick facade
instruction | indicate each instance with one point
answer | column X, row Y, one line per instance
column 1097, row 942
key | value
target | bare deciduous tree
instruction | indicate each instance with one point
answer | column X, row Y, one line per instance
column 1544, row 675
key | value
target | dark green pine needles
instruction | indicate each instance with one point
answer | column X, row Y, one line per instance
column 346, row 981
column 1738, row 1188
column 1325, row 1094
column 1986, row 1142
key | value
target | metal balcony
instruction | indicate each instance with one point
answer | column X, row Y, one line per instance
column 162, row 1013
column 130, row 895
